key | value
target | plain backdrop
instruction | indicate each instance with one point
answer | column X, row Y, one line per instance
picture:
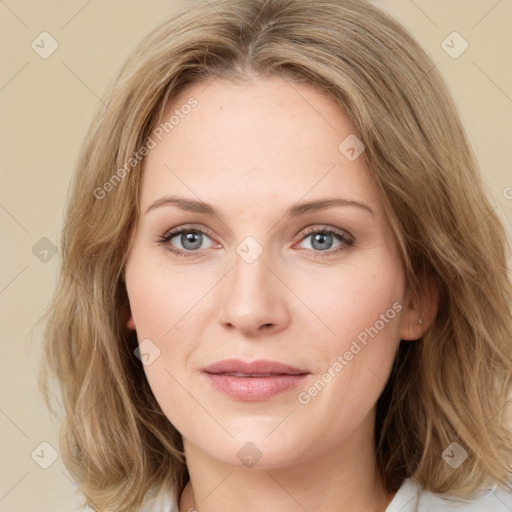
column 46, row 105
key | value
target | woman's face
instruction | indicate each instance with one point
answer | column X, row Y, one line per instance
column 270, row 277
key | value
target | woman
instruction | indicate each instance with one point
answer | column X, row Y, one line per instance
column 283, row 286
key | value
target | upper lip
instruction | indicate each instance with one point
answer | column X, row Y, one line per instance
column 259, row 367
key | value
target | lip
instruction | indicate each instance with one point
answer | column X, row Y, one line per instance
column 253, row 381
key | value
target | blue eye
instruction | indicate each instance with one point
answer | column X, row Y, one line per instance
column 191, row 240
column 322, row 240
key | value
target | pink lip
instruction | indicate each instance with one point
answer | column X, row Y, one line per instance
column 257, row 384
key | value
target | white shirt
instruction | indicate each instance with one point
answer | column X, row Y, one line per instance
column 409, row 498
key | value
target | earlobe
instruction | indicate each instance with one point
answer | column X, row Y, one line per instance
column 130, row 323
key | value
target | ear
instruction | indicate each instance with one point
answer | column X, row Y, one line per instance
column 130, row 323
column 420, row 311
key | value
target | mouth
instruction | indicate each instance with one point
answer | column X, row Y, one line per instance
column 255, row 381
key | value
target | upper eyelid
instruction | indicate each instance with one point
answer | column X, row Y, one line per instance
column 176, row 231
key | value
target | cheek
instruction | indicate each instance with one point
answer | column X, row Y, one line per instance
column 165, row 307
column 162, row 298
column 351, row 300
column 365, row 315
column 361, row 307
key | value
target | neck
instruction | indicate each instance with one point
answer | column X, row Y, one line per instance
column 343, row 478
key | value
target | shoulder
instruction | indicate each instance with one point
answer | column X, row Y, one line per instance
column 412, row 498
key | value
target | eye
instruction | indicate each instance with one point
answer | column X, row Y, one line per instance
column 322, row 240
column 190, row 240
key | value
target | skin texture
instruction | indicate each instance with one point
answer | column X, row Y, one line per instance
column 251, row 151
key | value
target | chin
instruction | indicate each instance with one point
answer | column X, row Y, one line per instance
column 255, row 449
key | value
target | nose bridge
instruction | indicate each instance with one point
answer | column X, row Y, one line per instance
column 253, row 297
column 250, row 279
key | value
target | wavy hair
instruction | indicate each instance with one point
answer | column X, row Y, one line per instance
column 454, row 384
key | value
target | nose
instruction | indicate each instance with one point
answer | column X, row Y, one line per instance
column 253, row 298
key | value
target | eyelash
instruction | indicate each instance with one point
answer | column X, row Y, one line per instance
column 346, row 242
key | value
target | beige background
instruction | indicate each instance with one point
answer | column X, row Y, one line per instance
column 45, row 108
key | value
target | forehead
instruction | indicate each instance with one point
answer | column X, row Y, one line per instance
column 266, row 140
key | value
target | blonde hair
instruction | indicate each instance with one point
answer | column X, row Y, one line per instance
column 452, row 385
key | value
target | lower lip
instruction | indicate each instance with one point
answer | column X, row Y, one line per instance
column 253, row 389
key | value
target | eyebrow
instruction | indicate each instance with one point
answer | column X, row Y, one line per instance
column 295, row 210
